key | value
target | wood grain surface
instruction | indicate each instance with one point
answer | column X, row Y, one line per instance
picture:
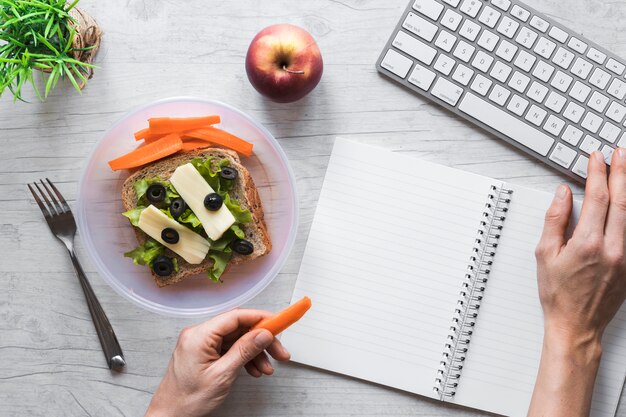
column 51, row 363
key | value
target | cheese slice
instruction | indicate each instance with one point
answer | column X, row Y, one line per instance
column 193, row 188
column 192, row 247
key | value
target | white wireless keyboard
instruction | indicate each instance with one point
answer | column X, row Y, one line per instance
column 516, row 73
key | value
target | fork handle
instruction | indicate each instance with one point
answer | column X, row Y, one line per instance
column 108, row 340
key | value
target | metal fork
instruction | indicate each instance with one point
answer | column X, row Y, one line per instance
column 59, row 217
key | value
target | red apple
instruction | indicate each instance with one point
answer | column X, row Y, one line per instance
column 284, row 63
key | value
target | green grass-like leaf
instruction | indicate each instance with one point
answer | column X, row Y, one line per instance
column 37, row 35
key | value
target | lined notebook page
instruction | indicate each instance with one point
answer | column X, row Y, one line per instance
column 503, row 359
column 386, row 256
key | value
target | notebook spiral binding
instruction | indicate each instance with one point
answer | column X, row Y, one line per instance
column 471, row 294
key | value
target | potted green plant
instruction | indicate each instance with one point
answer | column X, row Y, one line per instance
column 47, row 37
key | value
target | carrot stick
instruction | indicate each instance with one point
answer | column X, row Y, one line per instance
column 150, row 152
column 279, row 322
column 146, row 135
column 220, row 137
column 164, row 125
column 191, row 145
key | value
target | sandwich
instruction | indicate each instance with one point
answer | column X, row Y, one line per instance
column 196, row 212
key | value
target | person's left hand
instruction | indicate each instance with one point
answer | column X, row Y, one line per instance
column 207, row 360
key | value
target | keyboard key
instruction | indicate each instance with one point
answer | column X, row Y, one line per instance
column 536, row 115
column 580, row 92
column 555, row 102
column 482, row 61
column 447, row 91
column 462, row 74
column 508, row 27
column 543, row 71
column 572, row 135
column 520, row 13
column 591, row 122
column 581, row 68
column 429, row 8
column 501, row 4
column 590, row 144
column 417, row 49
column 506, row 50
column 598, row 102
column 558, row 34
column 519, row 82
column 445, row 40
column 526, row 37
column 580, row 168
column 525, row 61
column 444, row 64
column 452, row 3
column 616, row 112
column 396, row 63
column 545, row 47
column 596, row 56
column 561, row 81
column 554, row 125
column 600, row 78
column 617, row 89
column 539, row 24
column 420, row 26
column 517, row 105
column 537, row 92
column 451, row 20
column 615, row 67
column 499, row 95
column 607, row 151
column 422, row 77
column 469, row 30
column 577, row 45
column 489, row 17
column 622, row 141
column 563, row 155
column 488, row 40
column 481, row 84
column 464, row 51
column 573, row 112
column 610, row 132
column 563, row 58
column 500, row 71
column 471, row 7
column 506, row 124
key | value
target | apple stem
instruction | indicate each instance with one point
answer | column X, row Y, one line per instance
column 290, row 71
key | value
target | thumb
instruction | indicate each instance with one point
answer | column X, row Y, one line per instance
column 248, row 347
column 556, row 221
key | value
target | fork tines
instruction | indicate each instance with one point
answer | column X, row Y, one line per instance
column 52, row 206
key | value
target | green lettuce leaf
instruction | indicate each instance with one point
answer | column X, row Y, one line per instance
column 146, row 253
column 141, row 187
column 133, row 215
column 220, row 261
column 241, row 215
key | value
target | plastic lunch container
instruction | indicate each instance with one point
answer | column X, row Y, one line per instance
column 107, row 234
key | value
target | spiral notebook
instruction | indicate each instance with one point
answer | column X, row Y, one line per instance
column 401, row 255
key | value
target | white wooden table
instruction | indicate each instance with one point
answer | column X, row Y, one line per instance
column 50, row 359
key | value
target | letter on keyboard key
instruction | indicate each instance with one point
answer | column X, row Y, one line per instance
column 500, row 72
column 573, row 112
column 506, row 124
column 499, row 94
column 469, row 30
column 543, row 71
column 445, row 40
column 506, row 50
column 396, row 63
column 536, row 115
column 447, row 91
column 616, row 112
column 481, row 84
column 417, row 49
column 488, row 40
column 580, row 168
column 444, row 64
column 554, row 125
column 422, row 77
column 420, row 26
column 517, row 105
column 563, row 155
column 462, row 74
column 598, row 102
column 451, row 20
column 591, row 122
column 555, row 102
column 429, row 8
column 482, row 61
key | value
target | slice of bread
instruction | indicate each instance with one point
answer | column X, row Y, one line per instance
column 244, row 192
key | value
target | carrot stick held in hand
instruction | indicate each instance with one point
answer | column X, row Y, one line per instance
column 282, row 320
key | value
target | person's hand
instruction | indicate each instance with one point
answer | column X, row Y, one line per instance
column 207, row 360
column 582, row 284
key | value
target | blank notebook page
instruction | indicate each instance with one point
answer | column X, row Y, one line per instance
column 503, row 359
column 384, row 263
